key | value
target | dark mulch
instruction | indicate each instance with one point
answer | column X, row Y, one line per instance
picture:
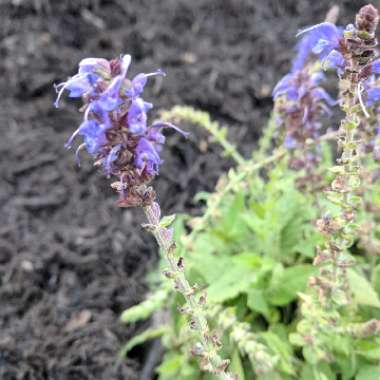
column 70, row 260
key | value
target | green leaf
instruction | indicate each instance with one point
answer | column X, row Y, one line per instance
column 146, row 308
column 236, row 365
column 368, row 372
column 230, row 283
column 317, row 372
column 337, row 169
column 368, row 349
column 166, row 221
column 256, row 301
column 281, row 348
column 375, row 279
column 170, row 365
column 142, row 338
column 286, row 283
column 362, row 290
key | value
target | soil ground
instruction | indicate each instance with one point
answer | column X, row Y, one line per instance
column 70, row 260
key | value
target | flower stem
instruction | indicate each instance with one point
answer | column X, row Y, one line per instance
column 208, row 344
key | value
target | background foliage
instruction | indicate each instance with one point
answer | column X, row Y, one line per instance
column 251, row 253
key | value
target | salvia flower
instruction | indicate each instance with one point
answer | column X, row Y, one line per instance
column 323, row 41
column 301, row 102
column 115, row 128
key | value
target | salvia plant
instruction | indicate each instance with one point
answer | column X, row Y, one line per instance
column 287, row 252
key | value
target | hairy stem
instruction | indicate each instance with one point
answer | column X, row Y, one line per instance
column 208, row 345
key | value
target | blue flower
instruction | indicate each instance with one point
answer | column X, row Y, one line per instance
column 138, row 83
column 322, row 40
column 319, row 93
column 373, row 95
column 93, row 134
column 290, row 142
column 375, row 66
column 147, row 157
column 110, row 98
column 89, row 71
column 137, row 117
column 99, row 66
column 111, row 157
column 286, row 86
column 77, row 86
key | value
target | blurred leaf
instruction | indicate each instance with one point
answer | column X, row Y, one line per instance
column 281, row 348
column 146, row 308
column 236, row 365
column 375, row 279
column 257, row 302
column 142, row 338
column 166, row 221
column 362, row 290
column 170, row 365
column 368, row 349
column 232, row 281
column 286, row 283
column 368, row 372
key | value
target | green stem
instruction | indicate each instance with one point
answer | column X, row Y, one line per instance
column 214, row 363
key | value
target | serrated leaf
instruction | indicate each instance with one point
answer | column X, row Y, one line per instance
column 231, row 282
column 286, row 284
column 362, row 290
column 142, row 338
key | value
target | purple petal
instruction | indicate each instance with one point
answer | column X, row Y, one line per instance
column 320, row 93
column 137, row 117
column 110, row 98
column 77, row 85
column 111, row 157
column 334, row 60
column 162, row 124
column 286, row 86
column 147, row 157
column 290, row 143
column 373, row 96
column 138, row 83
column 93, row 65
column 376, row 66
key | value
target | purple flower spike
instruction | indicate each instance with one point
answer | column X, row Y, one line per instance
column 115, row 129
